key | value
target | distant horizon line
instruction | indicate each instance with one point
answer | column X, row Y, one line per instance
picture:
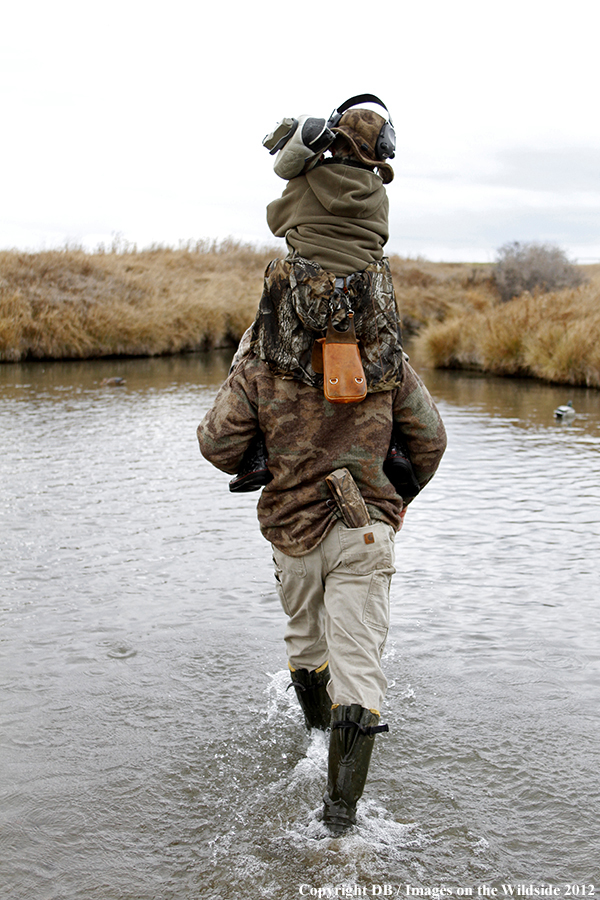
column 121, row 244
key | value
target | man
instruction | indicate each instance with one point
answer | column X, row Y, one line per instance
column 333, row 580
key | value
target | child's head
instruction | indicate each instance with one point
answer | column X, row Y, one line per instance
column 357, row 134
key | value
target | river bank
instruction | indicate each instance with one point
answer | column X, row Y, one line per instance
column 69, row 304
column 551, row 336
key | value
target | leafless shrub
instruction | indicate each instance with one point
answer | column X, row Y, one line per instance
column 531, row 266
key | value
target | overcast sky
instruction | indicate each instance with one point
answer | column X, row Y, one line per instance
column 144, row 121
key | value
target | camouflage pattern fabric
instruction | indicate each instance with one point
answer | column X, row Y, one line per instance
column 307, row 438
column 297, row 300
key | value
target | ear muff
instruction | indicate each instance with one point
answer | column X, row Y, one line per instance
column 386, row 142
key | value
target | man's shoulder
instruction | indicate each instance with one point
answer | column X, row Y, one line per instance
column 255, row 373
column 252, row 367
column 266, row 387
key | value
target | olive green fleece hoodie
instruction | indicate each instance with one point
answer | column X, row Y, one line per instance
column 336, row 215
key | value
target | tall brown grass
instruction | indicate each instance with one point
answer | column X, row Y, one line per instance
column 432, row 292
column 67, row 303
column 553, row 336
column 71, row 304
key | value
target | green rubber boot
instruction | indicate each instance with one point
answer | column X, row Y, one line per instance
column 353, row 731
column 311, row 689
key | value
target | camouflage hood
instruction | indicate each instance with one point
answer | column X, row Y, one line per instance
column 297, row 300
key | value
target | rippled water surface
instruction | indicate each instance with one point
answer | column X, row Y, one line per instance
column 148, row 747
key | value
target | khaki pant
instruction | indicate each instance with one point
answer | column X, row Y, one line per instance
column 337, row 601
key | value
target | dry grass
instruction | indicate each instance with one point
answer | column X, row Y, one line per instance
column 71, row 304
column 432, row 292
column 553, row 336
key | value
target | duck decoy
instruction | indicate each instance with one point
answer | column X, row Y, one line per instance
column 564, row 412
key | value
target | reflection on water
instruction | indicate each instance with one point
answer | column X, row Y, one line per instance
column 148, row 745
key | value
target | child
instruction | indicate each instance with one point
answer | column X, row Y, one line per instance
column 333, row 215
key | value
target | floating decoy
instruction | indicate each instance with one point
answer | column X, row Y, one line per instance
column 564, row 412
column 112, row 382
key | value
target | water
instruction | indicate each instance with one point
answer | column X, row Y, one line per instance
column 148, row 746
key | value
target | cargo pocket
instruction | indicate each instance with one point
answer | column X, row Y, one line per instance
column 376, row 611
column 287, row 568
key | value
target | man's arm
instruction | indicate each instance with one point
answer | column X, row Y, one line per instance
column 230, row 424
column 418, row 418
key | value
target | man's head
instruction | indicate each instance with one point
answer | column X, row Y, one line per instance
column 365, row 133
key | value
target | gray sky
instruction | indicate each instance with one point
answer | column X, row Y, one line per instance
column 145, row 120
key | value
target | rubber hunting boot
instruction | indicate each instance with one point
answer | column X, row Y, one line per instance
column 353, row 730
column 311, row 690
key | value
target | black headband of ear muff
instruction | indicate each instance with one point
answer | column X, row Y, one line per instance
column 353, row 101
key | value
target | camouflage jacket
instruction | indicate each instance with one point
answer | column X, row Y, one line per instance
column 297, row 300
column 307, row 438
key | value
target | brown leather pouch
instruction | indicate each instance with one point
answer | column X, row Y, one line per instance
column 343, row 374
